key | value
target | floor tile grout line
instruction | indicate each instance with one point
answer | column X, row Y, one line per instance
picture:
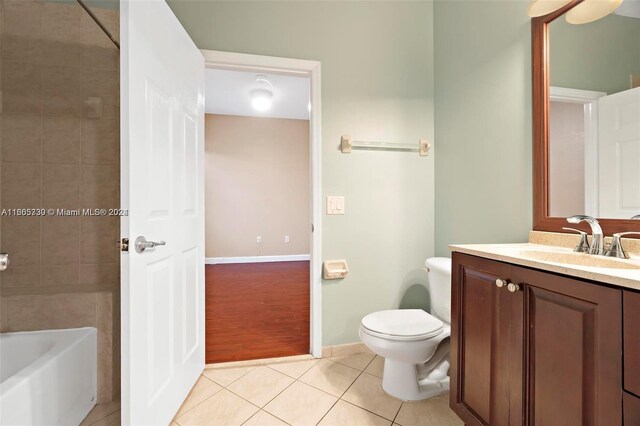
column 365, row 409
column 343, row 393
column 175, row 419
column 305, row 371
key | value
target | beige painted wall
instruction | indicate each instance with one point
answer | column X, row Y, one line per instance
column 377, row 84
column 257, row 183
column 566, row 159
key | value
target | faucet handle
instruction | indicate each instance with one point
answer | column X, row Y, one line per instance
column 616, row 249
column 622, row 234
column 583, row 245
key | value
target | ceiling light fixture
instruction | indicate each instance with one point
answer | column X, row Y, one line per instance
column 583, row 13
column 262, row 95
column 591, row 10
column 544, row 7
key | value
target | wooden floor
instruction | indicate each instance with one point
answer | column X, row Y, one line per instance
column 256, row 310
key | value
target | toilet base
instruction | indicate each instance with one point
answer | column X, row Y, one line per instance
column 401, row 380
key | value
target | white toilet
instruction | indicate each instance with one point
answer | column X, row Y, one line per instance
column 415, row 344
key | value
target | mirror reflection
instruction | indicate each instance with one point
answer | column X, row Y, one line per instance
column 594, row 117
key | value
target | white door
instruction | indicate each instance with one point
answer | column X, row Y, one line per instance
column 619, row 154
column 162, row 98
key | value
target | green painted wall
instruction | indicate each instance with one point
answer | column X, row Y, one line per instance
column 596, row 56
column 377, row 84
column 483, row 122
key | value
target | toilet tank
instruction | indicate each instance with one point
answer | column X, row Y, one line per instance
column 440, row 287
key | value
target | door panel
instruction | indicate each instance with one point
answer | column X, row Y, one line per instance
column 481, row 317
column 619, row 154
column 162, row 187
column 574, row 350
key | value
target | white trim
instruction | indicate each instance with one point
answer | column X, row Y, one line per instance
column 590, row 101
column 311, row 69
column 256, row 259
column 578, row 96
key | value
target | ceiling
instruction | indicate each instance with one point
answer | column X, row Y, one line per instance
column 228, row 93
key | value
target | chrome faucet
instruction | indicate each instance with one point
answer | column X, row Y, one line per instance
column 636, row 217
column 616, row 249
column 597, row 237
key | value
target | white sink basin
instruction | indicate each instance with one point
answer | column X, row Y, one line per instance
column 579, row 259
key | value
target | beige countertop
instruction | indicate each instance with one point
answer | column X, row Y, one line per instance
column 549, row 258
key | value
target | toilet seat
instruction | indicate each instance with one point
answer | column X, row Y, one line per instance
column 402, row 324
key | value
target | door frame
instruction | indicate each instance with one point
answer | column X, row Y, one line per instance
column 297, row 68
column 589, row 99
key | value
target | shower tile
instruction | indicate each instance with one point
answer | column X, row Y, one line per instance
column 22, row 33
column 21, row 139
column 100, row 187
column 98, row 51
column 60, row 240
column 104, row 324
column 107, row 58
column 100, row 142
column 60, row 186
column 21, row 186
column 104, row 275
column 27, row 313
column 61, row 276
column 3, row 315
column 61, row 140
column 62, row 91
column 71, row 310
column 21, row 277
column 62, row 34
column 98, row 239
column 22, row 85
column 21, row 237
column 61, row 22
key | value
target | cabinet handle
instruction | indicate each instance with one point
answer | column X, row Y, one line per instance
column 513, row 287
column 501, row 283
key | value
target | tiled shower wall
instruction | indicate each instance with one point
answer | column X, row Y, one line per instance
column 64, row 270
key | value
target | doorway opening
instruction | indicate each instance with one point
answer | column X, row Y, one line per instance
column 261, row 206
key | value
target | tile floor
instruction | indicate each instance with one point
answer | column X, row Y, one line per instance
column 340, row 391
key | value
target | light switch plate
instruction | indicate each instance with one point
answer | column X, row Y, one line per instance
column 335, row 204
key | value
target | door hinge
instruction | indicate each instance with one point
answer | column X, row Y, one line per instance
column 124, row 244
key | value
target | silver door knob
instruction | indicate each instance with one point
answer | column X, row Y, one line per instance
column 501, row 283
column 4, row 261
column 142, row 244
column 513, row 287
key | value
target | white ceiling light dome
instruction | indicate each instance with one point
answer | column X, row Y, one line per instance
column 544, row 7
column 591, row 10
column 262, row 94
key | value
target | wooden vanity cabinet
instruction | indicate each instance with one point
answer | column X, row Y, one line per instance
column 631, row 338
column 548, row 352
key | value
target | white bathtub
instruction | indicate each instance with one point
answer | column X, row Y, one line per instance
column 47, row 377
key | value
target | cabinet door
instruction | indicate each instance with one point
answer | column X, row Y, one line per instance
column 631, row 324
column 482, row 354
column 573, row 352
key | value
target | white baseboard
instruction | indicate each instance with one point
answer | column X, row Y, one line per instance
column 256, row 259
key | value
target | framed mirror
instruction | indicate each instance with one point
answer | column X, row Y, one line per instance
column 586, row 119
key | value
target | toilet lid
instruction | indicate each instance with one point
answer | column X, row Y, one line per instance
column 403, row 323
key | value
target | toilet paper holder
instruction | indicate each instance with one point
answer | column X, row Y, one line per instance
column 335, row 269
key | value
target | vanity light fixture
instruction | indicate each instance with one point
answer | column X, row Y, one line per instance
column 261, row 96
column 583, row 13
